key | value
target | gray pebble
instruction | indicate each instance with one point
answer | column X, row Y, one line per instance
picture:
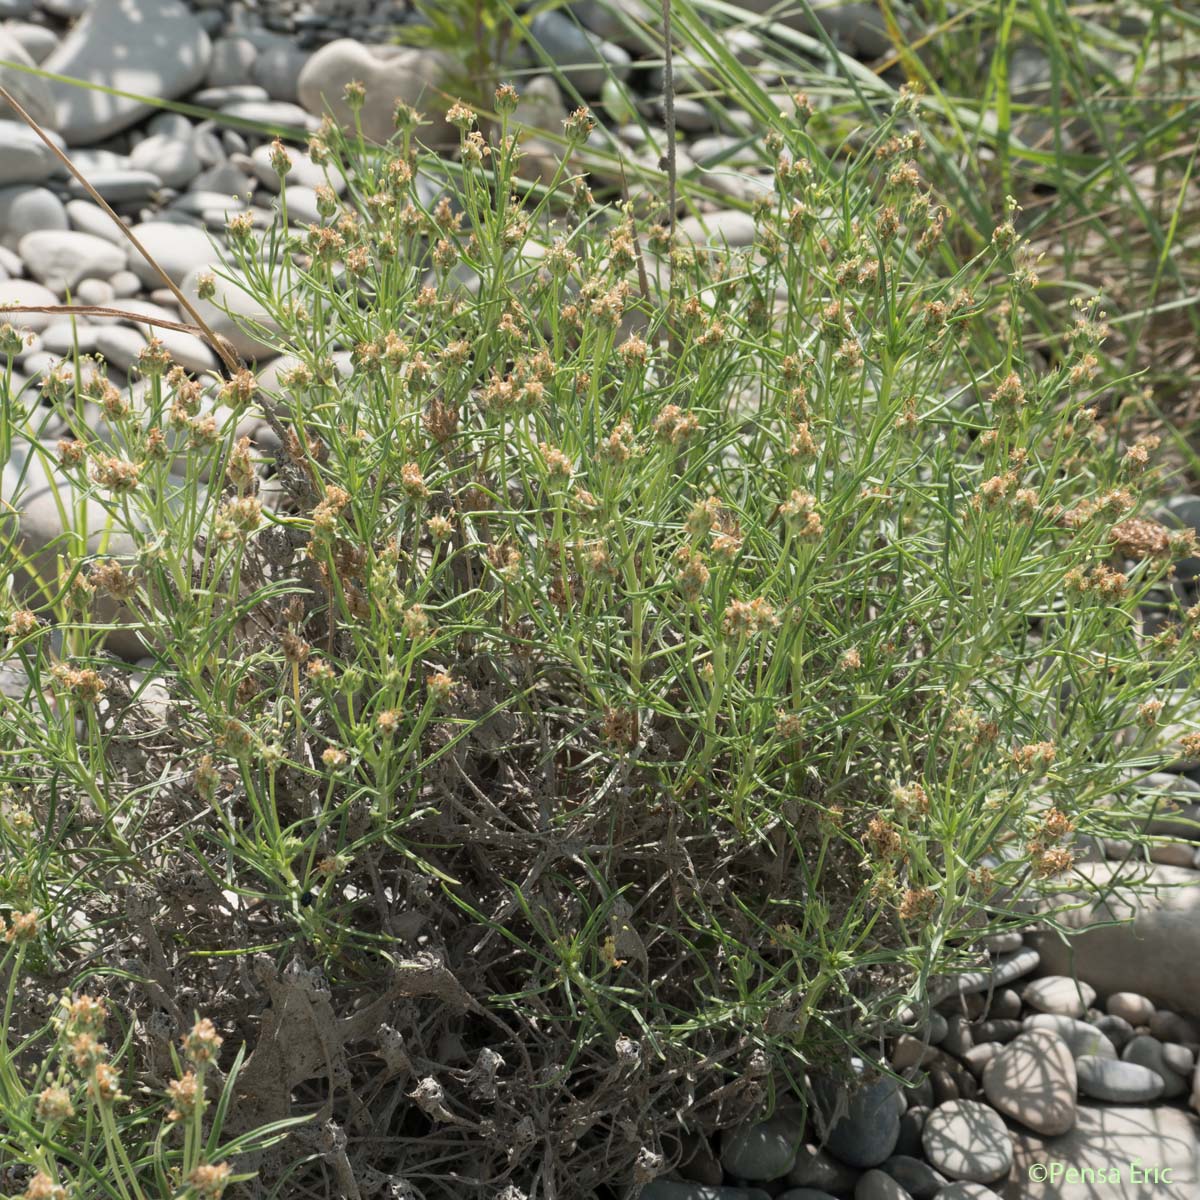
column 199, row 203
column 232, row 62
column 1116, row 1081
column 1180, row 1059
column 62, row 338
column 1116, row 1029
column 979, row 1056
column 867, row 1134
column 1147, row 1052
column 1005, row 1005
column 1130, row 1006
column 1082, row 1038
column 36, row 40
column 211, row 20
column 816, row 1168
column 173, row 160
column 24, row 158
column 170, row 124
column 918, row 1091
column 233, row 142
column 86, row 217
column 998, row 1030
column 276, row 113
column 585, row 61
column 958, row 1039
column 764, row 1150
column 1008, row 968
column 1171, row 1027
column 38, row 362
column 730, row 227
column 968, row 1140
column 911, row 1124
column 304, row 172
column 673, row 1189
column 224, row 179
column 60, row 259
column 277, row 69
column 119, row 185
column 219, row 97
column 207, row 144
column 878, row 1185
column 25, row 209
column 917, row 1178
column 124, row 284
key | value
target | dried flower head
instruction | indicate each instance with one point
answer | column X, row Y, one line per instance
column 21, row 623
column 675, row 426
column 413, row 481
column 1051, row 862
column 85, row 1051
column 440, row 526
column 506, row 98
column 910, row 799
column 238, row 518
column 153, row 360
column 116, row 474
column 883, row 838
column 334, row 758
column 917, row 904
column 693, row 574
column 71, row 452
column 405, row 117
column 184, row 1093
column 620, row 727
column 558, row 465
column 1040, row 755
column 210, row 1180
column 111, row 578
column 105, row 1084
column 800, row 511
column 747, row 619
column 295, row 648
column 1009, row 396
column 42, row 1187
column 1138, row 537
column 441, row 686
column 201, row 1044
column 460, row 116
column 281, row 160
column 416, row 622
column 54, row 1104
column 84, row 684
column 579, row 125
column 1056, row 824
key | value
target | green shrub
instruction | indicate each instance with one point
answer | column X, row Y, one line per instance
column 645, row 668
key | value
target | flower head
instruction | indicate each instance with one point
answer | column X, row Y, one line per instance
column 203, row 1042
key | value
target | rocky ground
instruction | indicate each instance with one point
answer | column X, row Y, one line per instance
column 1018, row 1066
column 1020, row 1084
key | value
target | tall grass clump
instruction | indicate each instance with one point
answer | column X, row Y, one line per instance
column 1085, row 113
column 631, row 672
